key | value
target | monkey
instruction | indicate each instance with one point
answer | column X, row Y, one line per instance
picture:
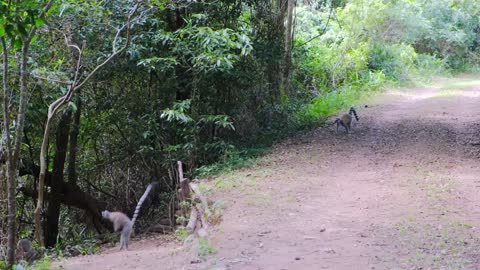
column 26, row 251
column 346, row 120
column 121, row 221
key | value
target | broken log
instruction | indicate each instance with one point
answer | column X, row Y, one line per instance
column 202, row 197
column 192, row 222
column 203, row 218
column 184, row 184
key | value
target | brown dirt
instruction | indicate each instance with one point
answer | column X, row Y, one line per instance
column 401, row 192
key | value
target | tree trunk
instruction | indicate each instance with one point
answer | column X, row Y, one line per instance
column 41, row 182
column 10, row 171
column 72, row 154
column 54, row 204
column 13, row 154
column 288, row 43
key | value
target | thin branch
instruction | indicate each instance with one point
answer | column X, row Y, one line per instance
column 49, row 79
column 99, row 189
column 71, row 45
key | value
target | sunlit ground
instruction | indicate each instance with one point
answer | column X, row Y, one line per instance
column 460, row 89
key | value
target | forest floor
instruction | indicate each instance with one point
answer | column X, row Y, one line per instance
column 400, row 192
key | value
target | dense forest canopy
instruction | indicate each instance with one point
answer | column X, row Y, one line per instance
column 137, row 86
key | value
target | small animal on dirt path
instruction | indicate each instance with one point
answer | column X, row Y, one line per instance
column 346, row 120
column 121, row 221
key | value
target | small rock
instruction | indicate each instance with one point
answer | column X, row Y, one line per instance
column 264, row 233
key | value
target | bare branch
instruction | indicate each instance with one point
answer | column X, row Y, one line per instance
column 50, row 79
column 70, row 44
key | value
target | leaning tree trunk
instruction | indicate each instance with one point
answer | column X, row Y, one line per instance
column 54, row 204
column 41, row 180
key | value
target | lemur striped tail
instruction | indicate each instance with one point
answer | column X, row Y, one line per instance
column 142, row 199
column 352, row 110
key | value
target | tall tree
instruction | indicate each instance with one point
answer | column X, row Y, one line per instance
column 24, row 16
column 288, row 41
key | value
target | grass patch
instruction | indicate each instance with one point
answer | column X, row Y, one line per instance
column 181, row 234
column 323, row 107
column 205, row 248
column 440, row 246
column 237, row 159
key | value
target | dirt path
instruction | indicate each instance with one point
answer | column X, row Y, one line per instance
column 401, row 192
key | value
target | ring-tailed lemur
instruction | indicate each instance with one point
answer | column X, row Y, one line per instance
column 346, row 120
column 121, row 221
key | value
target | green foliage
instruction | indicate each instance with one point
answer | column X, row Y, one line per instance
column 44, row 264
column 452, row 32
column 232, row 159
column 190, row 128
column 396, row 61
column 201, row 47
column 181, row 234
column 329, row 104
column 205, row 248
column 18, row 18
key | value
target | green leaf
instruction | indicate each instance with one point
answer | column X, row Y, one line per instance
column 39, row 23
column 17, row 43
column 2, row 31
column 21, row 29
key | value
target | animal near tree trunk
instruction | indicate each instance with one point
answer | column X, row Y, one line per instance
column 76, row 85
